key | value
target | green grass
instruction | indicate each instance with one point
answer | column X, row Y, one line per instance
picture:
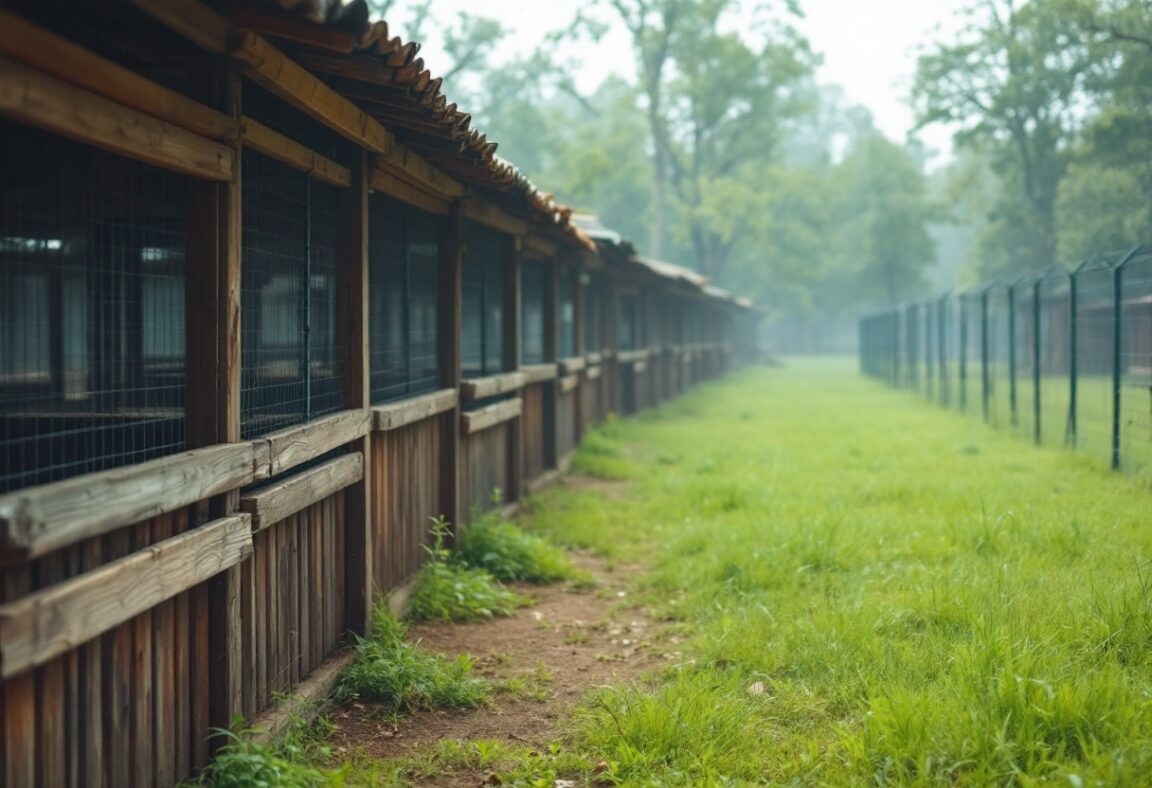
column 509, row 553
column 391, row 670
column 243, row 760
column 448, row 591
column 923, row 600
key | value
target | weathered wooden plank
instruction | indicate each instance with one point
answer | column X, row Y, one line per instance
column 50, row 622
column 639, row 366
column 538, row 246
column 287, row 151
column 574, row 364
column 592, row 373
column 409, row 165
column 36, row 99
column 630, row 356
column 41, row 519
column 307, row 702
column 488, row 214
column 538, row 373
column 271, row 504
column 491, row 386
column 484, row 418
column 191, row 19
column 569, row 383
column 594, row 358
column 275, row 71
column 400, row 414
column 44, row 51
column 294, row 445
column 402, row 189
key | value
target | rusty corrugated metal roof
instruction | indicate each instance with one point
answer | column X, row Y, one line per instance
column 356, row 56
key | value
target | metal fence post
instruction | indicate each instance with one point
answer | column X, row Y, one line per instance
column 1070, row 428
column 1117, row 288
column 1036, row 362
column 963, row 302
column 942, row 348
column 985, row 378
column 1013, row 419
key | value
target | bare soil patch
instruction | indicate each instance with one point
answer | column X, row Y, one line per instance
column 542, row 660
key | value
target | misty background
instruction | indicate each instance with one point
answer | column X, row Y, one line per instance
column 824, row 158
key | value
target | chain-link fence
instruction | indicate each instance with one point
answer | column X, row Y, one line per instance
column 1062, row 358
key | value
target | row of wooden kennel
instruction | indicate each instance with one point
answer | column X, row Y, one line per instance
column 267, row 304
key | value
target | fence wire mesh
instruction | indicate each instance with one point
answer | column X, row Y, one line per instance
column 1062, row 358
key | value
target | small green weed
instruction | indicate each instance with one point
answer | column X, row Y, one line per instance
column 509, row 553
column 446, row 591
column 245, row 761
column 390, row 669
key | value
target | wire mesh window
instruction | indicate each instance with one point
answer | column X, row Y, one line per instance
column 291, row 352
column 404, row 284
column 1095, row 313
column 533, row 282
column 627, row 333
column 592, row 319
column 92, row 345
column 1136, row 362
column 566, row 308
column 1054, row 307
column 1023, row 356
column 482, row 295
column 998, row 369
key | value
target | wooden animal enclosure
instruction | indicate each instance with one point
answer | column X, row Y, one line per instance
column 268, row 304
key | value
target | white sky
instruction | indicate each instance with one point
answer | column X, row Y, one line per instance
column 869, row 47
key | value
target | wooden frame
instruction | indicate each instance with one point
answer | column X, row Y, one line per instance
column 35, row 99
column 287, row 151
column 47, row 623
column 487, row 417
column 400, row 414
column 487, row 214
column 538, row 373
column 292, row 446
column 491, row 386
column 274, row 502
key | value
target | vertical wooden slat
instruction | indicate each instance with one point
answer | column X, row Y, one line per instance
column 141, row 687
column 50, row 708
column 163, row 734
column 261, row 604
column 17, row 701
column 358, row 504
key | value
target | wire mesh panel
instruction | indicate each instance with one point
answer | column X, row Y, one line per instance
column 971, row 340
column 947, row 327
column 482, row 293
column 533, row 281
column 1055, row 323
column 92, row 343
column 627, row 331
column 1094, row 316
column 928, row 319
column 912, row 346
column 566, row 306
column 291, row 352
column 1136, row 361
column 998, row 372
column 1024, row 356
column 592, row 318
column 404, row 280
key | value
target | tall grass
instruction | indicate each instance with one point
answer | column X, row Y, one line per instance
column 925, row 600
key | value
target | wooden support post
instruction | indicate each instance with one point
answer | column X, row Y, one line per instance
column 358, row 504
column 578, row 349
column 551, row 353
column 448, row 353
column 511, row 343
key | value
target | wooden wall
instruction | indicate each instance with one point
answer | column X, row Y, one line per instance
column 406, row 489
column 566, row 416
column 486, row 461
column 534, row 429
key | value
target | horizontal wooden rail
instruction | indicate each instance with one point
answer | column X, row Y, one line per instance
column 36, row 521
column 271, row 504
column 191, row 19
column 487, row 417
column 592, row 373
column 487, row 214
column 401, row 189
column 569, row 382
column 492, row 386
column 574, row 364
column 33, row 98
column 36, row 47
column 401, row 414
column 631, row 356
column 275, row 71
column 292, row 446
column 53, row 621
column 540, row 247
column 407, row 164
column 538, row 373
column 287, row 151
column 594, row 358
column 639, row 366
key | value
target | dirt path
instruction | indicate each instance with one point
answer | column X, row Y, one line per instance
column 542, row 660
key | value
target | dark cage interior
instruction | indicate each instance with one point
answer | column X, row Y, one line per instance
column 533, row 280
column 290, row 349
column 482, row 295
column 91, row 310
column 404, row 283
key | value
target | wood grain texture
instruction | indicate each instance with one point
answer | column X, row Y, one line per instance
column 192, row 19
column 272, row 503
column 538, row 373
column 51, row 54
column 400, row 414
column 295, row 445
column 36, row 99
column 490, row 416
column 41, row 519
column 47, row 623
column 485, row 466
column 491, row 386
column 404, row 190
column 568, row 383
column 574, row 364
column 287, row 151
column 488, row 214
column 275, row 71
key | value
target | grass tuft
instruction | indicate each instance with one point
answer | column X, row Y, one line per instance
column 390, row 669
column 243, row 761
column 509, row 553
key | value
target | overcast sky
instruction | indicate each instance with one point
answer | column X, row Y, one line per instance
column 868, row 46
